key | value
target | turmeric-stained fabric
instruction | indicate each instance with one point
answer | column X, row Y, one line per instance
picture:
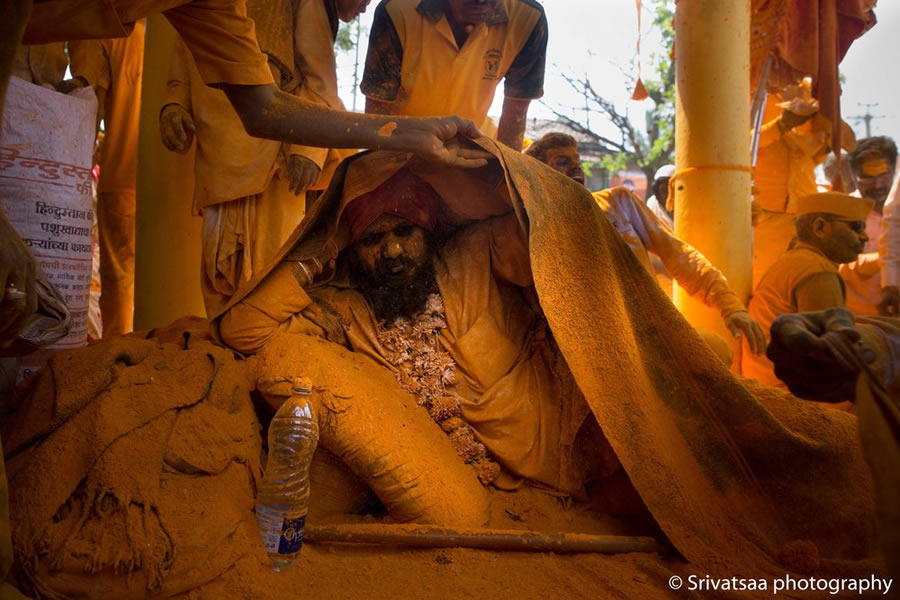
column 242, row 236
column 800, row 276
column 229, row 164
column 645, row 233
column 104, row 450
column 808, row 38
column 44, row 64
column 879, row 428
column 241, row 190
column 733, row 471
column 114, row 67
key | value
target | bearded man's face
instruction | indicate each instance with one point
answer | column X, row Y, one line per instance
column 392, row 263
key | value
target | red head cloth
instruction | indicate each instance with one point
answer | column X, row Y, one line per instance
column 403, row 195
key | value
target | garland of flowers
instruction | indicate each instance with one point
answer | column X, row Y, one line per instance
column 426, row 370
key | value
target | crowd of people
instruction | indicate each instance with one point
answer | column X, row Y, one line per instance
column 395, row 271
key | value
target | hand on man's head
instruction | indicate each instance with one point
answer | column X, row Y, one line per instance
column 441, row 141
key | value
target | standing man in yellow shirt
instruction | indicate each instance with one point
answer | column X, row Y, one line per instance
column 435, row 57
column 114, row 68
column 830, row 230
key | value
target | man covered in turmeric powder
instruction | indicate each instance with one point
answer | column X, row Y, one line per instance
column 449, row 313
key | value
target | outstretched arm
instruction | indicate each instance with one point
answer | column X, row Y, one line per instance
column 267, row 112
column 695, row 273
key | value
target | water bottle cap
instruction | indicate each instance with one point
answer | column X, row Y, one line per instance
column 302, row 385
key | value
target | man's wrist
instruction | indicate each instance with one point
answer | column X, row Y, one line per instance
column 782, row 126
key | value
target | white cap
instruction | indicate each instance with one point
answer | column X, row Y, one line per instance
column 664, row 171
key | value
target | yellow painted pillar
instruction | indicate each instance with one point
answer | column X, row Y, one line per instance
column 167, row 236
column 712, row 121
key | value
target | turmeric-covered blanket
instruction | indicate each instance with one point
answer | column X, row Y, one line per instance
column 744, row 479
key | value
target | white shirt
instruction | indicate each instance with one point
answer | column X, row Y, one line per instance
column 660, row 211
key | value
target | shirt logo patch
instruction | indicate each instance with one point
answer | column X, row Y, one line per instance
column 492, row 63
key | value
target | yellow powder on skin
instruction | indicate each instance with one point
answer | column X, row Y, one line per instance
column 387, row 129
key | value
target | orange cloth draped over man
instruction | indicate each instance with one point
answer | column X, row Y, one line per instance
column 114, row 67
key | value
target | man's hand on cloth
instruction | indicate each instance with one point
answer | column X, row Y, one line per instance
column 301, row 173
column 806, row 362
column 741, row 322
column 176, row 128
column 18, row 296
column 441, row 140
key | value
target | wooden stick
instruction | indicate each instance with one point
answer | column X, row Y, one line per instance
column 433, row 536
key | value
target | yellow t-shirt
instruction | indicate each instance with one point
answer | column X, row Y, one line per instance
column 414, row 62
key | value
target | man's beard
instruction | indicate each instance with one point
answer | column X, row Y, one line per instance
column 393, row 297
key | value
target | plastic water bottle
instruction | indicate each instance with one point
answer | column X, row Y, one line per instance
column 283, row 495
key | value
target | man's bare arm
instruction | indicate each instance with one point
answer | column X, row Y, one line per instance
column 267, row 112
column 511, row 129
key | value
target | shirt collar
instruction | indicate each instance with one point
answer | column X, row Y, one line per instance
column 798, row 245
column 434, row 10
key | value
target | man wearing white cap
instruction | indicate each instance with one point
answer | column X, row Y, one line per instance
column 658, row 202
column 831, row 230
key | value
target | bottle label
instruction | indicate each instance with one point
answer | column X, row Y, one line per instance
column 286, row 539
column 291, row 538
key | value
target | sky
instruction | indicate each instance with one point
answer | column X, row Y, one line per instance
column 596, row 39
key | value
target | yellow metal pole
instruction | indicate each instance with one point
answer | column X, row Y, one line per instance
column 712, row 124
column 167, row 236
